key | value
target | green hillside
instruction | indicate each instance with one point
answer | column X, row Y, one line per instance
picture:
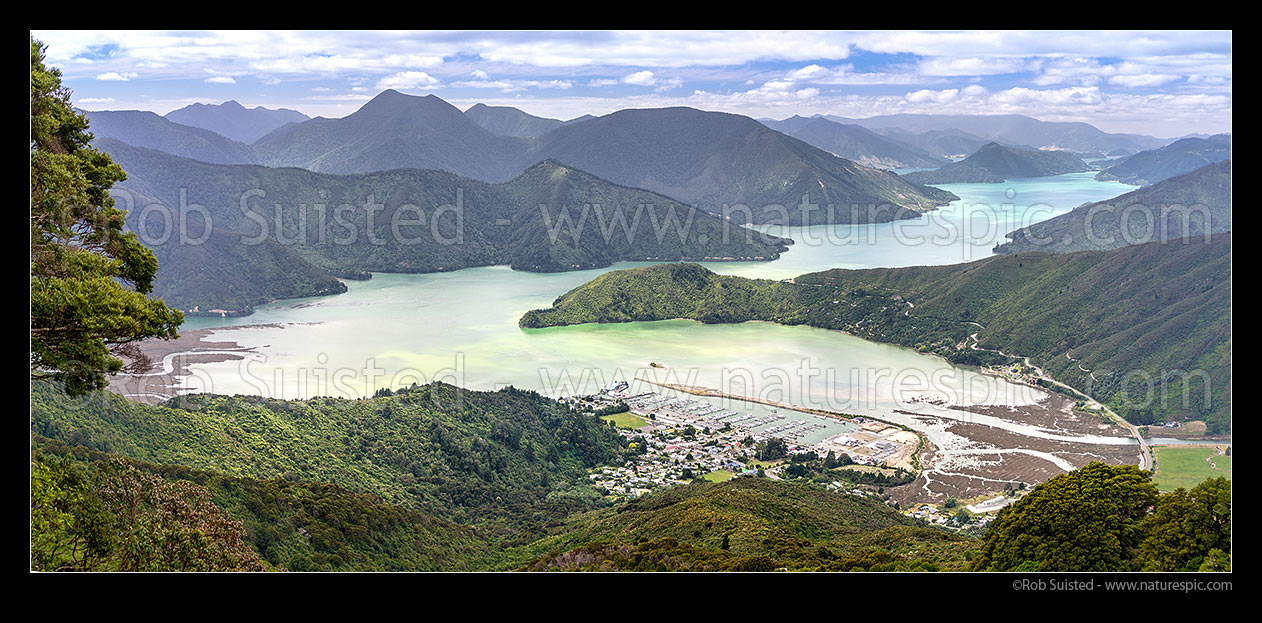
column 1181, row 156
column 1154, row 317
column 748, row 524
column 302, row 525
column 993, row 162
column 458, row 455
column 1190, row 205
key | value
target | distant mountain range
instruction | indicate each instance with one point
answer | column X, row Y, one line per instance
column 1181, row 156
column 856, row 143
column 947, row 143
column 719, row 160
column 722, row 163
column 235, row 121
column 394, row 131
column 509, row 121
column 151, row 131
column 993, row 163
column 1188, row 205
column 298, row 229
column 1014, row 130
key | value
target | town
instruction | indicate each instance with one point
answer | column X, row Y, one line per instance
column 682, row 438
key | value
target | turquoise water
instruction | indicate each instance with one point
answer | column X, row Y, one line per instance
column 461, row 326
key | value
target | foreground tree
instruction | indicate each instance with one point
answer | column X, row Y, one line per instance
column 1084, row 520
column 110, row 516
column 1187, row 527
column 89, row 278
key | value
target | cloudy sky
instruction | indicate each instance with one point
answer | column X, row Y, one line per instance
column 1159, row 83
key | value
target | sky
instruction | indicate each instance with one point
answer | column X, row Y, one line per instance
column 1160, row 83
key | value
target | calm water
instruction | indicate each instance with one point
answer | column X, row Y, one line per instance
column 461, row 326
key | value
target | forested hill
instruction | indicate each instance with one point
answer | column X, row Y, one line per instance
column 747, row 524
column 1181, row 156
column 439, row 478
column 1140, row 318
column 550, row 218
column 993, row 163
column 456, row 454
column 1190, row 205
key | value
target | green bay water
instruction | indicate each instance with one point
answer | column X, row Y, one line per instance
column 461, row 326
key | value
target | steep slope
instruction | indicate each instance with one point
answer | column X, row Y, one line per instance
column 509, row 121
column 550, row 218
column 856, row 143
column 726, row 163
column 456, row 454
column 710, row 160
column 1190, row 205
column 146, row 129
column 1151, row 322
column 994, row 163
column 571, row 219
column 235, row 121
column 1181, row 156
column 747, row 524
column 301, row 525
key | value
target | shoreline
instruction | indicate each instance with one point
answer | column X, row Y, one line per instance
column 914, row 464
column 171, row 361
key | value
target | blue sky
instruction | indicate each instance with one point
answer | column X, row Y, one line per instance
column 1162, row 83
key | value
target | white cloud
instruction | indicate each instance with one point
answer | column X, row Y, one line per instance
column 939, row 97
column 971, row 66
column 806, row 72
column 668, row 84
column 1143, row 80
column 113, row 75
column 407, row 80
column 95, row 100
column 642, row 78
column 221, row 80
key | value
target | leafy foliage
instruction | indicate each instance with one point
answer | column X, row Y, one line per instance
column 1187, row 527
column 1109, row 518
column 88, row 277
column 309, row 526
column 751, row 524
column 509, row 457
column 110, row 516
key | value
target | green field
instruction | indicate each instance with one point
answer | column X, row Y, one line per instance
column 719, row 475
column 1185, row 466
column 625, row 420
